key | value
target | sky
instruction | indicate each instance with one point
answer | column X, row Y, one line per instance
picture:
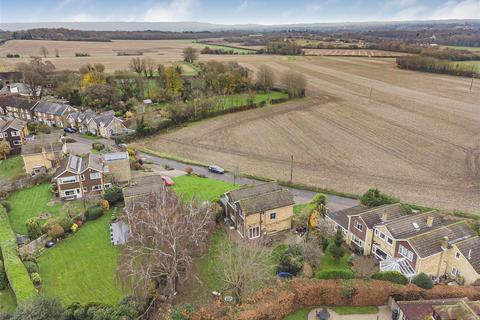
column 236, row 11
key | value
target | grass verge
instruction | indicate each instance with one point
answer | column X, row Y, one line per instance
column 7, row 301
column 355, row 310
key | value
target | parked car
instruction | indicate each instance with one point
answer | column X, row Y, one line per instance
column 69, row 130
column 216, row 169
column 49, row 244
column 168, row 181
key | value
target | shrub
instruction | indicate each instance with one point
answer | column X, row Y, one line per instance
column 183, row 312
column 335, row 274
column 348, row 289
column 375, row 198
column 423, row 281
column 392, row 276
column 56, row 231
column 39, row 308
column 33, row 228
column 104, row 205
column 66, row 224
column 74, row 228
column 31, row 266
column 325, row 244
column 188, row 170
column 3, row 277
column 98, row 146
column 337, row 251
column 36, row 279
column 94, row 213
column 113, row 195
column 291, row 260
column 7, row 205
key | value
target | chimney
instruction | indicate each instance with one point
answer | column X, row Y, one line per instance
column 385, row 216
column 445, row 243
column 429, row 221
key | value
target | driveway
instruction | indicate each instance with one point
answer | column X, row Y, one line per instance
column 383, row 313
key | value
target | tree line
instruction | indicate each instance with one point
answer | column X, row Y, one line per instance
column 429, row 64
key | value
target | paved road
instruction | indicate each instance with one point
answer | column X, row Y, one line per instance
column 301, row 196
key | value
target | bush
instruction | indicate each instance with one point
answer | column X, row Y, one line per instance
column 375, row 198
column 291, row 260
column 113, row 195
column 66, row 224
column 94, row 213
column 33, row 228
column 392, row 276
column 348, row 289
column 98, row 146
column 39, row 308
column 7, row 205
column 56, row 231
column 423, row 281
column 36, row 279
column 337, row 251
column 104, row 205
column 188, row 170
column 335, row 274
column 3, row 277
column 31, row 266
column 183, row 312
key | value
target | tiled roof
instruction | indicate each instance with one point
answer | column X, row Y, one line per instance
column 51, row 142
column 470, row 249
column 430, row 243
column 17, row 102
column 56, row 109
column 266, row 201
column 415, row 224
column 341, row 216
column 92, row 161
column 422, row 309
column 104, row 118
column 143, row 186
column 115, row 156
column 249, row 191
column 15, row 123
column 462, row 310
column 373, row 216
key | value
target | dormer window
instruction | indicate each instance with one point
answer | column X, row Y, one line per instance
column 457, row 255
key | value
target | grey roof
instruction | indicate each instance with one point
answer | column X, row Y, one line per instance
column 51, row 142
column 104, row 118
column 77, row 164
column 92, row 161
column 143, row 186
column 249, row 191
column 19, row 88
column 16, row 102
column 415, row 224
column 470, row 249
column 373, row 216
column 56, row 109
column 341, row 216
column 115, row 156
column 430, row 243
column 14, row 123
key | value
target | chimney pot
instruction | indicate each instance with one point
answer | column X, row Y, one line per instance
column 445, row 243
column 384, row 216
column 429, row 221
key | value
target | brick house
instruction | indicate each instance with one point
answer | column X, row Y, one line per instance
column 259, row 210
column 51, row 114
column 14, row 131
column 77, row 177
column 439, row 245
column 17, row 107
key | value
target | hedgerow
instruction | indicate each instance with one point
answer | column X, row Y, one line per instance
column 392, row 276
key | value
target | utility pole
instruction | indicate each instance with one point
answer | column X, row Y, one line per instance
column 236, row 173
column 291, row 169
column 471, row 84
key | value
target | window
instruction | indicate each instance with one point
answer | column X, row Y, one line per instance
column 376, row 232
column 457, row 255
column 405, row 252
column 82, row 177
column 357, row 241
column 390, row 241
column 382, row 235
column 15, row 133
column 107, row 185
column 69, row 193
column 95, row 175
column 254, row 232
column 455, row 272
column 85, row 189
column 17, row 143
column 97, row 188
column 273, row 216
column 358, row 225
column 70, row 179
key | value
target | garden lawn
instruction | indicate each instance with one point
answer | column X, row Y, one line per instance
column 202, row 188
column 82, row 267
column 30, row 202
column 238, row 100
column 355, row 310
column 209, row 261
column 301, row 314
column 7, row 301
column 327, row 262
column 12, row 167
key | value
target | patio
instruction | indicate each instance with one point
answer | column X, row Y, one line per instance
column 383, row 313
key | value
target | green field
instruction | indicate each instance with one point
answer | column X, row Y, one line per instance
column 463, row 48
column 225, row 48
column 29, row 203
column 238, row 100
column 12, row 167
column 188, row 69
column 82, row 267
column 300, row 314
column 203, row 188
column 7, row 301
column 468, row 65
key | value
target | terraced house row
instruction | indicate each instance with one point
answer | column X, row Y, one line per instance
column 439, row 245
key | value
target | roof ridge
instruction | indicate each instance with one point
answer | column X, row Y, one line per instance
column 436, row 229
column 262, row 194
column 379, row 207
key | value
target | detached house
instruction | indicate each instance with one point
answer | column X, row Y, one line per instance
column 259, row 210
column 14, row 132
column 77, row 177
column 438, row 245
column 42, row 154
column 17, row 107
column 52, row 114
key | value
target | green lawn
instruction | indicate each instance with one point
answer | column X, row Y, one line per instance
column 237, row 100
column 29, row 203
column 328, row 262
column 202, row 188
column 12, row 167
column 355, row 310
column 7, row 301
column 209, row 261
column 82, row 267
column 300, row 314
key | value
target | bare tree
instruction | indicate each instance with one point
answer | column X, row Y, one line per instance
column 265, row 77
column 243, row 268
column 295, row 83
column 165, row 235
column 44, row 51
column 150, row 67
column 190, row 54
column 137, row 65
column 35, row 75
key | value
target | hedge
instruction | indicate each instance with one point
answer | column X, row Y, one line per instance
column 392, row 276
column 17, row 274
column 335, row 274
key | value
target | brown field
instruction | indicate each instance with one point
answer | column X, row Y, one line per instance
column 352, row 53
column 417, row 138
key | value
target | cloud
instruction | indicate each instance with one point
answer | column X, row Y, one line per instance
column 464, row 9
column 173, row 10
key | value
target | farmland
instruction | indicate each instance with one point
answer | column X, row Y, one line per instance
column 365, row 124
column 353, row 53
